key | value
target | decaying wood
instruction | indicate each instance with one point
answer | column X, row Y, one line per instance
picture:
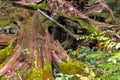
column 40, row 44
column 94, row 9
column 66, row 6
column 5, row 39
column 2, row 5
column 57, row 23
column 103, row 3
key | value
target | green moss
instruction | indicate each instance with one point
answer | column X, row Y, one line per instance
column 2, row 78
column 41, row 74
column 6, row 52
column 90, row 27
column 4, row 22
column 0, row 2
column 72, row 67
column 38, row 6
column 106, row 17
column 44, row 21
column 77, row 67
column 28, row 24
column 108, row 20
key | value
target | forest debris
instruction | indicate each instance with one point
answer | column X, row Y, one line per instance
column 17, row 51
column 103, row 3
column 107, row 26
column 25, row 2
column 60, row 25
column 2, row 5
column 95, row 9
column 5, row 39
column 66, row 6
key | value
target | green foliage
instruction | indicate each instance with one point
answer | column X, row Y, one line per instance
column 103, row 39
column 76, row 70
column 26, row 51
column 88, row 26
column 104, row 63
column 107, row 41
column 4, row 22
column 6, row 52
column 61, row 76
column 115, row 57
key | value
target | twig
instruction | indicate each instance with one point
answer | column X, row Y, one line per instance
column 19, row 76
column 2, row 5
column 60, row 25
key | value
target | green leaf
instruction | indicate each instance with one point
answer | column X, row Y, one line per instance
column 114, row 57
column 117, row 46
column 102, row 38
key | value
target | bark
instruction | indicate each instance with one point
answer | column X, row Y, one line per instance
column 17, row 52
column 4, row 39
column 41, row 45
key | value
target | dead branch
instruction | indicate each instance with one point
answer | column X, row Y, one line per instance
column 2, row 5
column 66, row 6
column 60, row 25
column 107, row 26
column 103, row 3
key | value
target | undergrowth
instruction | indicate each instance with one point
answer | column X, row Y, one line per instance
column 104, row 63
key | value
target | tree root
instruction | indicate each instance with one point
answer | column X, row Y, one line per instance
column 17, row 51
column 42, row 48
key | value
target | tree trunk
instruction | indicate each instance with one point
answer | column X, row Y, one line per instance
column 41, row 47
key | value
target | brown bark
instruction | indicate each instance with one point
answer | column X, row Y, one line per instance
column 17, row 53
column 41, row 45
column 4, row 39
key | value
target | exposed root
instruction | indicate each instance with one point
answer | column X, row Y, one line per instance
column 11, row 61
column 103, row 3
column 17, row 51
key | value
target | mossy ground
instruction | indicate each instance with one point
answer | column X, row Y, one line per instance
column 41, row 74
column 6, row 53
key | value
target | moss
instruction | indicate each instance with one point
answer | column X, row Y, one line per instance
column 6, row 52
column 106, row 17
column 77, row 67
column 4, row 22
column 72, row 67
column 90, row 27
column 2, row 78
column 41, row 74
column 0, row 2
column 44, row 21
column 28, row 24
column 108, row 20
column 38, row 6
column 46, row 24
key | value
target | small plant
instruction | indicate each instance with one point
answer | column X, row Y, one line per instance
column 105, row 63
column 61, row 76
